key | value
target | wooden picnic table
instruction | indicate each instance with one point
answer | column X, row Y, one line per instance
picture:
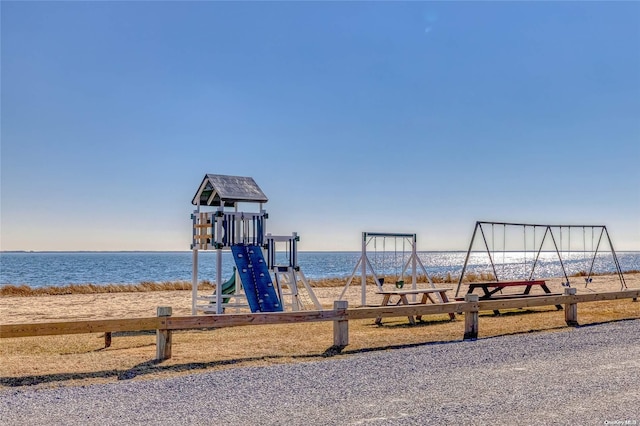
column 490, row 289
column 427, row 294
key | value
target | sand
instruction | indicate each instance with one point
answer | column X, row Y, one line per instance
column 14, row 310
column 82, row 358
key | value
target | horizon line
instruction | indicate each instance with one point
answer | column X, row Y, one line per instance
column 302, row 251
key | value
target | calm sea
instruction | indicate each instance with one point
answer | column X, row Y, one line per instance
column 60, row 268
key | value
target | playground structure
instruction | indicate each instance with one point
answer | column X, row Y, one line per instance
column 264, row 283
column 557, row 239
column 243, row 233
column 376, row 268
column 288, row 274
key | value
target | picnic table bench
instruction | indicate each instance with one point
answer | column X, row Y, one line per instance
column 490, row 289
column 427, row 294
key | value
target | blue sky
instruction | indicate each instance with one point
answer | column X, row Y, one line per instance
column 398, row 117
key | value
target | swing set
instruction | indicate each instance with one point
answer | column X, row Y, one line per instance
column 401, row 263
column 383, row 260
column 517, row 240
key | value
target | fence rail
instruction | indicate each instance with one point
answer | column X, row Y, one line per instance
column 164, row 323
column 80, row 327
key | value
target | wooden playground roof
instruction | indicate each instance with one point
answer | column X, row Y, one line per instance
column 216, row 190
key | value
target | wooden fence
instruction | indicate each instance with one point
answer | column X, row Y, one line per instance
column 164, row 323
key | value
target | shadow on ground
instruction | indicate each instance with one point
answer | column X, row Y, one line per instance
column 156, row 367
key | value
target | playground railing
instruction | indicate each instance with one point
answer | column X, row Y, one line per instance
column 164, row 324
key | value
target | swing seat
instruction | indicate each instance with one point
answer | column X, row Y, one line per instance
column 399, row 284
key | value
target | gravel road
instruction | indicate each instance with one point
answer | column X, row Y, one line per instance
column 589, row 375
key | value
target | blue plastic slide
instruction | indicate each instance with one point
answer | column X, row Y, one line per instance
column 256, row 280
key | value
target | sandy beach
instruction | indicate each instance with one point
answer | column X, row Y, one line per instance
column 132, row 305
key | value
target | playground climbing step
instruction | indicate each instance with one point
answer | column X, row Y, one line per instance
column 304, row 298
column 256, row 280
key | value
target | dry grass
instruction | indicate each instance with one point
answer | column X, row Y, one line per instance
column 206, row 285
column 81, row 359
column 145, row 286
column 600, row 274
column 148, row 286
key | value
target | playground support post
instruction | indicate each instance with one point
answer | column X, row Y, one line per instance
column 564, row 271
column 194, row 262
column 493, row 266
column 535, row 261
column 194, row 282
column 363, row 271
column 414, row 264
column 594, row 255
column 219, row 264
column 623, row 284
column 466, row 259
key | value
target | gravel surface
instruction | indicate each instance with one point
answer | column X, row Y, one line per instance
column 583, row 376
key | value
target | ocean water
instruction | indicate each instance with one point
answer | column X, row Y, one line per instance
column 61, row 268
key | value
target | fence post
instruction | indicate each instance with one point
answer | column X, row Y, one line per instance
column 571, row 309
column 471, row 318
column 107, row 339
column 163, row 337
column 340, row 327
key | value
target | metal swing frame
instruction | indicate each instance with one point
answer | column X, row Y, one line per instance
column 548, row 230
